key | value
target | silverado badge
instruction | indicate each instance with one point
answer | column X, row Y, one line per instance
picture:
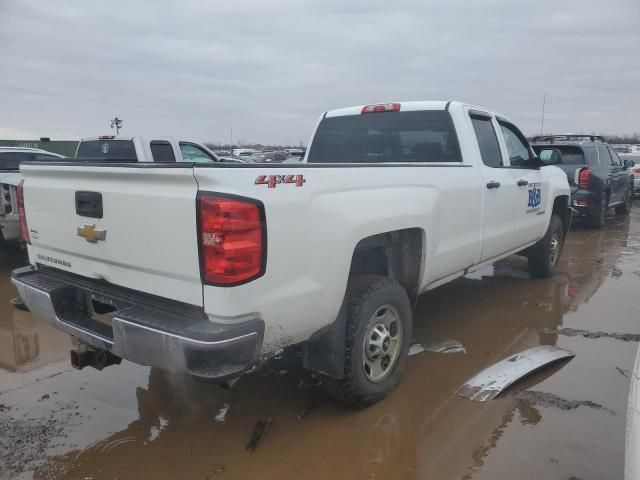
column 91, row 233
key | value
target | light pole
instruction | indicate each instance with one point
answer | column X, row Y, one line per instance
column 117, row 124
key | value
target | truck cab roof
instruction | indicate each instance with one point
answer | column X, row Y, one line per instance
column 569, row 139
column 408, row 106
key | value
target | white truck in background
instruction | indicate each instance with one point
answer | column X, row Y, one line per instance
column 137, row 149
column 207, row 268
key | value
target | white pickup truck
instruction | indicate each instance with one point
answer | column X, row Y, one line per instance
column 210, row 268
column 133, row 149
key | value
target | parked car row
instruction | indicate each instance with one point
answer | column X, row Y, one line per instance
column 267, row 156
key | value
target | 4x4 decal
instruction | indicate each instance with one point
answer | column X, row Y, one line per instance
column 272, row 180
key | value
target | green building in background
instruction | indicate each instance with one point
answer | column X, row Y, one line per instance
column 62, row 147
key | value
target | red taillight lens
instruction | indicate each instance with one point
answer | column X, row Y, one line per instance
column 636, row 170
column 381, row 107
column 21, row 212
column 583, row 177
column 232, row 239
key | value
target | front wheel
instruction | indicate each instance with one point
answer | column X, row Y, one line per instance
column 626, row 206
column 378, row 337
column 544, row 255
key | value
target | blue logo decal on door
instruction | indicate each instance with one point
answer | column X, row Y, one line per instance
column 535, row 197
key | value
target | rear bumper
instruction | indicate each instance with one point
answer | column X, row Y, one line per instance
column 585, row 203
column 144, row 329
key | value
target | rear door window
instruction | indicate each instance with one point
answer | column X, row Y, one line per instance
column 487, row 141
column 107, row 151
column 195, row 154
column 381, row 137
column 162, row 152
column 604, row 159
column 615, row 159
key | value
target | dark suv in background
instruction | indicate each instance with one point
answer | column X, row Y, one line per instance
column 598, row 178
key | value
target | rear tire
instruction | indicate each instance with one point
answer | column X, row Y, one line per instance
column 378, row 337
column 596, row 220
column 626, row 206
column 544, row 255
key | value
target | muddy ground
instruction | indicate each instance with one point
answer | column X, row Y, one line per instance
column 568, row 421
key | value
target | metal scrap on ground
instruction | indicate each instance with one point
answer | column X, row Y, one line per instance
column 448, row 345
column 491, row 381
column 222, row 413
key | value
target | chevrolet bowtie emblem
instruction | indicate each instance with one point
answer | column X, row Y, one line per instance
column 91, row 234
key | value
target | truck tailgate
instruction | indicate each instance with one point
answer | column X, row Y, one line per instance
column 145, row 239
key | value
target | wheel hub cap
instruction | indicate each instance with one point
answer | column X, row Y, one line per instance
column 382, row 343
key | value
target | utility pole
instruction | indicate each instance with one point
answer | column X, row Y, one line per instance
column 231, row 136
column 544, row 104
column 117, row 124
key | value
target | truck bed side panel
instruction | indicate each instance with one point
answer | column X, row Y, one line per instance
column 313, row 230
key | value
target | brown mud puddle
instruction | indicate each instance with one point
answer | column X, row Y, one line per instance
column 131, row 422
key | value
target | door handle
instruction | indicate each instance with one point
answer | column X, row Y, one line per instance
column 522, row 183
column 89, row 204
column 493, row 184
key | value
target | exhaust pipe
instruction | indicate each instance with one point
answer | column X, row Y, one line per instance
column 87, row 356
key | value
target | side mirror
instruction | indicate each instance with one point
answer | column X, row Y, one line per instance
column 550, row 156
column 628, row 163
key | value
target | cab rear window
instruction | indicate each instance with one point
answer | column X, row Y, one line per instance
column 420, row 136
column 570, row 155
column 107, row 151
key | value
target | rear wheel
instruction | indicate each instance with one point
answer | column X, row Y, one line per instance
column 544, row 255
column 378, row 337
column 596, row 220
column 626, row 206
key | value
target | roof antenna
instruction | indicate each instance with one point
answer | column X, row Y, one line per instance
column 544, row 103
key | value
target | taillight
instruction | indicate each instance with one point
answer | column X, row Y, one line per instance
column 381, row 107
column 583, row 177
column 232, row 239
column 21, row 212
column 636, row 170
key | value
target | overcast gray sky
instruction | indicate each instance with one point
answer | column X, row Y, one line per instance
column 192, row 69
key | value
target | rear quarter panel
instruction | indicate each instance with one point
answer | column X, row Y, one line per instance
column 312, row 232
